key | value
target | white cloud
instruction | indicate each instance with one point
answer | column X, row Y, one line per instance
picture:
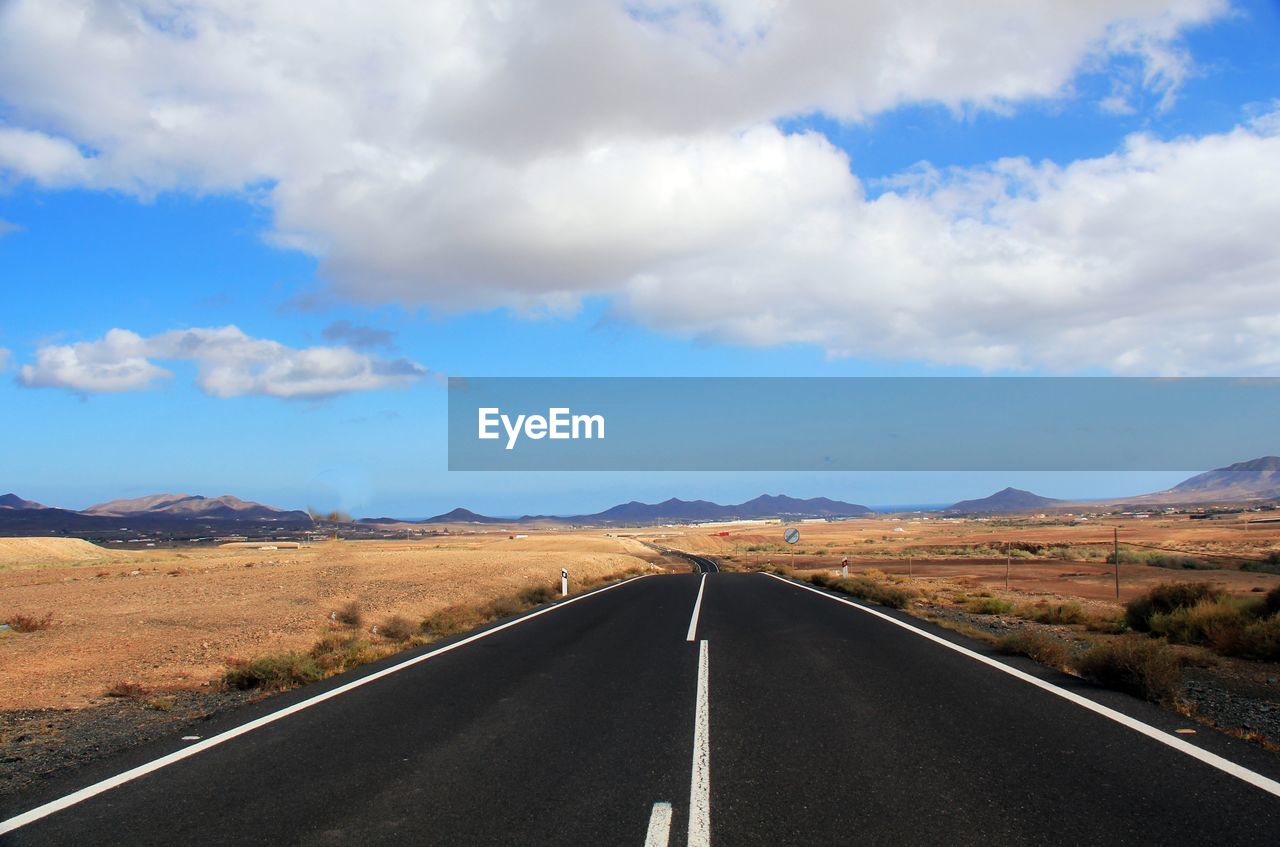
column 1158, row 259
column 525, row 154
column 5, row 356
column 229, row 364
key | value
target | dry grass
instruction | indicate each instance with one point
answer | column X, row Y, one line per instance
column 171, row 633
column 871, row 585
column 1036, row 645
column 341, row 650
column 1045, row 612
column 988, row 606
column 1141, row 666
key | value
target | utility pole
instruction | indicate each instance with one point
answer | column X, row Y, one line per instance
column 909, row 562
column 1116, row 556
column 1008, row 561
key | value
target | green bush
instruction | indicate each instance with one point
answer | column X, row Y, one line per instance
column 988, row 606
column 1158, row 559
column 1166, row 598
column 276, row 670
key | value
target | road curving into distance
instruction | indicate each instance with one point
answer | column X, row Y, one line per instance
column 679, row 710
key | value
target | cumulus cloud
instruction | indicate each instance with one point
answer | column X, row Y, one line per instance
column 1158, row 259
column 525, row 154
column 229, row 363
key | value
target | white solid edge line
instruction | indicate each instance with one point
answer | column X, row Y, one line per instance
column 659, row 833
column 697, row 605
column 213, row 741
column 1213, row 760
column 700, row 783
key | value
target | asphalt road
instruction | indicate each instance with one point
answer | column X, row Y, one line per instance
column 777, row 715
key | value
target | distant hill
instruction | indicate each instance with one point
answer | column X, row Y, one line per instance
column 675, row 508
column 461, row 515
column 13, row 501
column 1007, row 500
column 1256, row 479
column 195, row 506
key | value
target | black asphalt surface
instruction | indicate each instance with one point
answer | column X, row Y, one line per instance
column 828, row 725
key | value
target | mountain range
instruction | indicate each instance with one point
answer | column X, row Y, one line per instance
column 674, row 509
column 1257, row 480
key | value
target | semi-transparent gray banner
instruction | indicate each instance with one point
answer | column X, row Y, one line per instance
column 859, row 424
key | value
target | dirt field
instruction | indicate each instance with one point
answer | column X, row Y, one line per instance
column 169, row 619
column 971, row 550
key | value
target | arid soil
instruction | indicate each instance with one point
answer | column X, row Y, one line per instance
column 971, row 550
column 170, row 619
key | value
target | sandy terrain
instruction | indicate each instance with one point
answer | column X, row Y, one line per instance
column 52, row 552
column 171, row 618
column 878, row 543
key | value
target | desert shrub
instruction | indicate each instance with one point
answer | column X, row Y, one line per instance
column 1165, row 598
column 1112, row 622
column 340, row 651
column 1229, row 627
column 1209, row 622
column 1052, row 613
column 1158, row 559
column 126, row 689
column 502, row 607
column 988, row 606
column 536, row 595
column 29, row 623
column 873, row 590
column 823, row 579
column 273, row 671
column 1045, row 649
column 1266, row 566
column 1141, row 666
column 1075, row 554
column 350, row 614
column 1272, row 601
column 451, row 620
column 161, row 704
column 397, row 628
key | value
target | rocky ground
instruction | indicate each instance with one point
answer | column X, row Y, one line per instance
column 1239, row 697
column 36, row 744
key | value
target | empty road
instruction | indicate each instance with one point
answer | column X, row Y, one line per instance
column 703, row 708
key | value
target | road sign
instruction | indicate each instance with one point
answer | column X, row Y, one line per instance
column 791, row 536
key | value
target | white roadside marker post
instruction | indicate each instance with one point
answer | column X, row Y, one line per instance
column 844, row 567
column 564, row 582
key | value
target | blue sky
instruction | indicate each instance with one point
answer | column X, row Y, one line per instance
column 146, row 228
